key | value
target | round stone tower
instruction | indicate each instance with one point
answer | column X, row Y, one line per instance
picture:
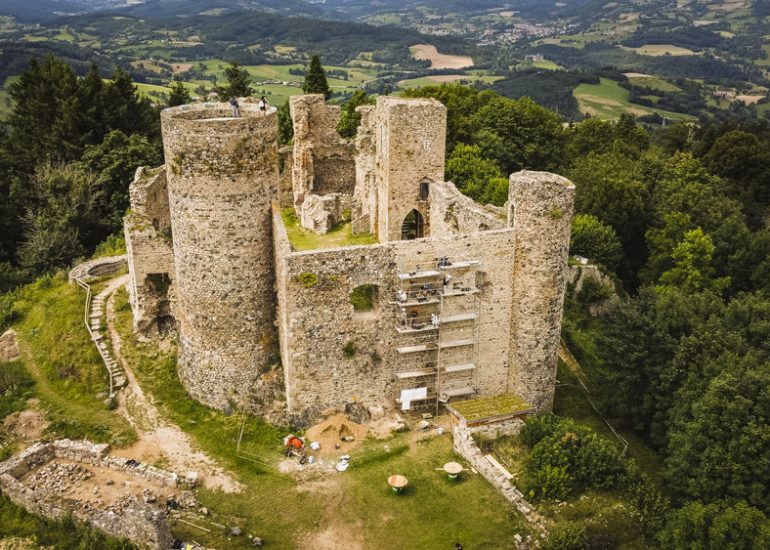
column 222, row 177
column 540, row 212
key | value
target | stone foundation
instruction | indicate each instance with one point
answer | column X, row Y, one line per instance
column 127, row 517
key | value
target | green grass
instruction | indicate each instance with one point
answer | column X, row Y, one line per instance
column 302, row 239
column 546, row 64
column 428, row 81
column 476, row 409
column 60, row 357
column 608, row 100
column 16, row 523
column 655, row 83
column 434, row 513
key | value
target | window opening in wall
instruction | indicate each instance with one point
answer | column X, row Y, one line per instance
column 413, row 226
column 365, row 301
column 424, row 190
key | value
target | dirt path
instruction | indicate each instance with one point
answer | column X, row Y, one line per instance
column 159, row 441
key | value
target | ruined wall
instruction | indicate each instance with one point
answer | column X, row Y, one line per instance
column 147, row 229
column 451, row 212
column 364, row 211
column 540, row 213
column 286, row 191
column 129, row 517
column 222, row 177
column 410, row 139
column 322, row 159
column 317, row 319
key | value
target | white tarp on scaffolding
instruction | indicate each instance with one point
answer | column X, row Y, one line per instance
column 414, row 394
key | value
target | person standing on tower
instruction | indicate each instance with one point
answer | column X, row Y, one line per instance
column 236, row 109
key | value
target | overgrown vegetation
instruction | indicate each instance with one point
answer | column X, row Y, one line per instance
column 66, row 534
column 69, row 377
column 304, row 239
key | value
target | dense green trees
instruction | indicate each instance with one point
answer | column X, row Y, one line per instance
column 349, row 118
column 68, row 154
column 595, row 240
column 238, row 83
column 315, row 79
column 179, row 94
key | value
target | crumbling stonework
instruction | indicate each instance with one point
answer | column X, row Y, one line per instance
column 403, row 148
column 9, row 346
column 322, row 162
column 462, row 300
column 98, row 267
column 36, row 477
column 147, row 230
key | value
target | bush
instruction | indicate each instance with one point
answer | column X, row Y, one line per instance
column 566, row 456
column 568, row 536
column 349, row 349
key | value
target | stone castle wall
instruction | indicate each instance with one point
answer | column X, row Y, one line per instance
column 222, row 177
column 540, row 213
column 451, row 212
column 235, row 276
column 147, row 229
column 410, row 138
column 322, row 163
column 129, row 517
column 317, row 319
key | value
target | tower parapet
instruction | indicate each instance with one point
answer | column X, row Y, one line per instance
column 540, row 213
column 222, row 176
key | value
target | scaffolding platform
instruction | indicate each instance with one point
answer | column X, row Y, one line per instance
column 430, row 274
column 460, row 368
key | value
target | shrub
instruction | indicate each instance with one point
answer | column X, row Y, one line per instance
column 568, row 536
column 349, row 349
column 308, row 280
column 565, row 456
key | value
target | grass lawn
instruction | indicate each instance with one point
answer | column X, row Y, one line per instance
column 302, row 239
column 546, row 64
column 608, row 100
column 357, row 506
column 60, row 357
column 655, row 83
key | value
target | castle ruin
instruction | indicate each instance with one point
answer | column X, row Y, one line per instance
column 450, row 300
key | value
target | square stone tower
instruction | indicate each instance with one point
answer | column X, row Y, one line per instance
column 409, row 137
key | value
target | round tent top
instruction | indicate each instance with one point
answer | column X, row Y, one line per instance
column 398, row 481
column 453, row 468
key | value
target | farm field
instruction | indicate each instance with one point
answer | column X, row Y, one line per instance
column 657, row 50
column 650, row 81
column 435, row 80
column 608, row 100
column 440, row 60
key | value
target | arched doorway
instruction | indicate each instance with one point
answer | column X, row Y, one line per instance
column 413, row 226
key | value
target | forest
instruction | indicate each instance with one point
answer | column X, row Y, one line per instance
column 676, row 217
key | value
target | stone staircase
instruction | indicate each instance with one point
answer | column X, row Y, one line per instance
column 96, row 313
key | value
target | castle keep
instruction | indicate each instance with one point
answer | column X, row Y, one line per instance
column 451, row 299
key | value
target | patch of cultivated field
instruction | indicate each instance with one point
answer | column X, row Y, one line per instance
column 439, row 78
column 440, row 60
column 608, row 100
column 546, row 64
column 658, row 50
column 651, row 81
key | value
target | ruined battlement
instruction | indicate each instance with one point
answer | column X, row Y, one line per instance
column 455, row 299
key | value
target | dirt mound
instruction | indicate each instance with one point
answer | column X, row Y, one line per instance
column 28, row 425
column 333, row 431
